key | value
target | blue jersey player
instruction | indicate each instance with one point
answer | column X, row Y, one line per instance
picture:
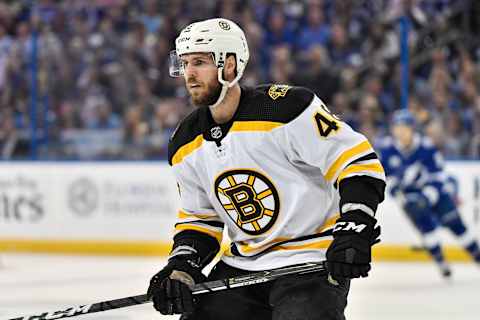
column 419, row 183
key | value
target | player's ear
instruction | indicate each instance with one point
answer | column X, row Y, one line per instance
column 230, row 69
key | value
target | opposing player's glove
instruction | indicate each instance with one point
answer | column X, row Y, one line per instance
column 170, row 289
column 349, row 255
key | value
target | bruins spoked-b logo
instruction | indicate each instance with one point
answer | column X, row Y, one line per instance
column 249, row 199
column 224, row 25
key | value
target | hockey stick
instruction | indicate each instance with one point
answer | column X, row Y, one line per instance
column 210, row 286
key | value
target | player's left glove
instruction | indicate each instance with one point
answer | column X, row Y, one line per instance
column 349, row 255
column 170, row 288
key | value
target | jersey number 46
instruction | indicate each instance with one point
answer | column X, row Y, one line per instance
column 326, row 121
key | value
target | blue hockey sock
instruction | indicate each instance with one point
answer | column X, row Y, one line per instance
column 432, row 244
column 474, row 250
column 468, row 241
column 456, row 226
column 437, row 254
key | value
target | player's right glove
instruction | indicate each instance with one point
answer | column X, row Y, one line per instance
column 349, row 255
column 170, row 289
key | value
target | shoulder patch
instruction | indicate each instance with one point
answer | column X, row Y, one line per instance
column 274, row 102
column 278, row 91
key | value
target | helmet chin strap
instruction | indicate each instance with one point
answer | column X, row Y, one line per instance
column 225, row 86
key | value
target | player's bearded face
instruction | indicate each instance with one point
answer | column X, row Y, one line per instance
column 201, row 79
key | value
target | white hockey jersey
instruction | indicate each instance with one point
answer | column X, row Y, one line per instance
column 269, row 175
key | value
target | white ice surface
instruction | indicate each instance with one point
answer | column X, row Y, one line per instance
column 31, row 284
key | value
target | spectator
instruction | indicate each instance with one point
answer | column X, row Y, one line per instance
column 382, row 45
column 8, row 135
column 373, row 85
column 370, row 117
column 316, row 31
column 144, row 98
column 316, row 74
column 104, row 118
column 341, row 107
column 135, row 134
column 5, row 47
column 255, row 35
column 104, row 64
column 278, row 33
column 339, row 49
column 68, row 117
column 152, row 20
column 162, row 125
column 420, row 112
column 282, row 68
column 227, row 9
column 440, row 80
column 457, row 138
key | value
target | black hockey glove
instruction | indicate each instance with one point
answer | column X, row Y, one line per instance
column 349, row 255
column 170, row 289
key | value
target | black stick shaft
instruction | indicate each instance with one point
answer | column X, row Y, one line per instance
column 88, row 308
column 210, row 286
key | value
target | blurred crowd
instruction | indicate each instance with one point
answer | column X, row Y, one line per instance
column 88, row 79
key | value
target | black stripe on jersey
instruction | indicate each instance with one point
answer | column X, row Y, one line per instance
column 366, row 190
column 370, row 156
column 235, row 252
column 216, row 224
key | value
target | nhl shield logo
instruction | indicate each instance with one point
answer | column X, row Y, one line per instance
column 278, row 90
column 249, row 198
column 216, row 132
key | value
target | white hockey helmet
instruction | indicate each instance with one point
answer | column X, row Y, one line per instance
column 217, row 36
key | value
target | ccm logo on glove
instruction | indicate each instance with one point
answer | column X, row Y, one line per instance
column 347, row 226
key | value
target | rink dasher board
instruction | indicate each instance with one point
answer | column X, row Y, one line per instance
column 130, row 207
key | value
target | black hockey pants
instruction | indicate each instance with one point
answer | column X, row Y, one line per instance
column 296, row 297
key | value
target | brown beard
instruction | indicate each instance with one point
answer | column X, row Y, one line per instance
column 210, row 98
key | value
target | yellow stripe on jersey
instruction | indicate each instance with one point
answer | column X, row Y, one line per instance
column 245, row 248
column 186, row 226
column 196, row 143
column 329, row 223
column 322, row 244
column 184, row 215
column 186, row 149
column 345, row 157
column 357, row 168
column 255, row 125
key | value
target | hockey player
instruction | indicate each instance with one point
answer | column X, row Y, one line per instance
column 417, row 180
column 289, row 181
